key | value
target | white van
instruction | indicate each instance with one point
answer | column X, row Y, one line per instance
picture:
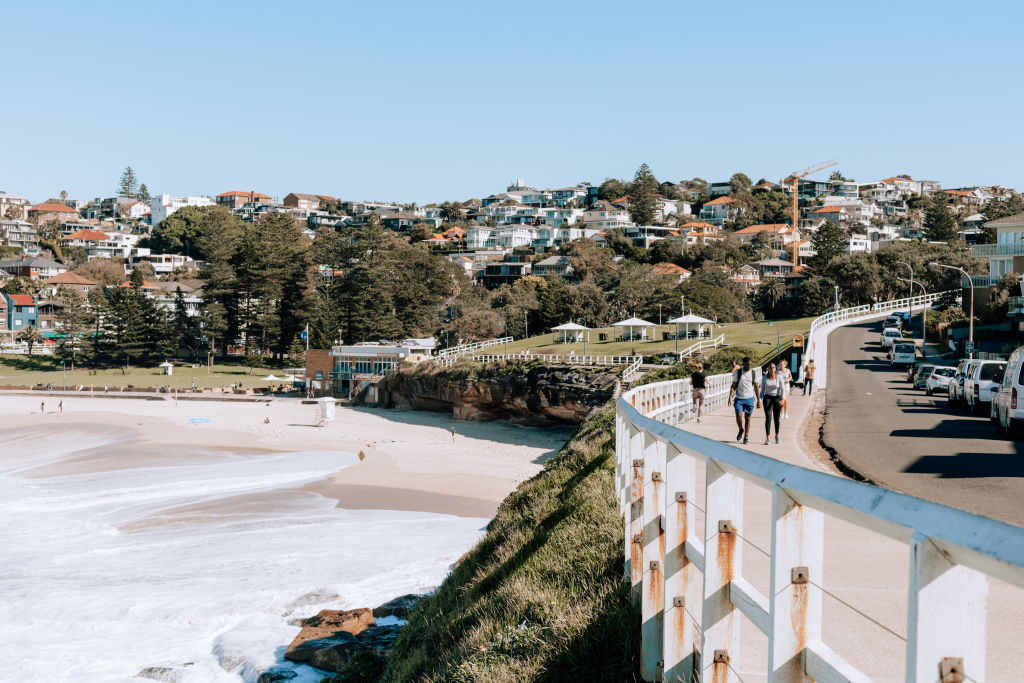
column 979, row 382
column 1008, row 401
column 903, row 354
column 889, row 336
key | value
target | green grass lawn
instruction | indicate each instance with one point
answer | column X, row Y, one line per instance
column 759, row 335
column 31, row 370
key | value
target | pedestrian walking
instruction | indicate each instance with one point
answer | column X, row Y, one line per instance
column 772, row 391
column 453, row 433
column 744, row 395
column 809, row 377
column 42, row 406
column 786, row 375
column 698, row 387
column 60, row 406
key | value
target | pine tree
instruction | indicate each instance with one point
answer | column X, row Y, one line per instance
column 829, row 241
column 97, row 347
column 143, row 194
column 940, row 225
column 643, row 201
column 73, row 319
column 129, row 186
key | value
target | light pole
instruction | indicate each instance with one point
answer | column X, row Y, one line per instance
column 64, row 369
column 836, row 288
column 924, row 313
column 910, row 302
column 970, row 318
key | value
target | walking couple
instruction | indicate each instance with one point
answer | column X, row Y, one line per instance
column 772, row 392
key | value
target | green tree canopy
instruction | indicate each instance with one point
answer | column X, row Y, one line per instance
column 128, row 185
column 829, row 241
column 611, row 189
column 940, row 225
column 643, row 202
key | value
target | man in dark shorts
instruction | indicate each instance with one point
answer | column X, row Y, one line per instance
column 698, row 387
column 744, row 396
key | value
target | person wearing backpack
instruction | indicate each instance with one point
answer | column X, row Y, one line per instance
column 744, row 395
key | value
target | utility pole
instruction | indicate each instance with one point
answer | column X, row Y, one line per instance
column 910, row 300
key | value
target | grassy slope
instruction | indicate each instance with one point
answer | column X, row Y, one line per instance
column 542, row 597
column 760, row 335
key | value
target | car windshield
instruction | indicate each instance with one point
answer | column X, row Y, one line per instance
column 944, row 372
column 989, row 370
column 925, row 370
column 904, row 348
column 892, row 333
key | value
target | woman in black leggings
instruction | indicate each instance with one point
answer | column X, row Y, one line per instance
column 772, row 392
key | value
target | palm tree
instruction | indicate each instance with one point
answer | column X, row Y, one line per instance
column 31, row 336
column 771, row 291
column 451, row 212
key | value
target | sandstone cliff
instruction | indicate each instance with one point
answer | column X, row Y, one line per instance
column 537, row 395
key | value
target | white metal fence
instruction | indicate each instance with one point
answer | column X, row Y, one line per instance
column 558, row 358
column 704, row 344
column 691, row 583
column 447, row 357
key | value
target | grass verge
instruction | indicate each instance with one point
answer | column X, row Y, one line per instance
column 542, row 597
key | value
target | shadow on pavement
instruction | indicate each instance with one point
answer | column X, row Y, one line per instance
column 969, row 465
column 957, row 428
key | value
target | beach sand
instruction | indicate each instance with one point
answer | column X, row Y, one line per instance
column 411, row 460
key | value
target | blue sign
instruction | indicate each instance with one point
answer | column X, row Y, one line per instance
column 302, row 335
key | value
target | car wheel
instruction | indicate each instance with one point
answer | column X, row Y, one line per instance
column 927, row 392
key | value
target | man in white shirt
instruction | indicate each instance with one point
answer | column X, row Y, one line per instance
column 744, row 395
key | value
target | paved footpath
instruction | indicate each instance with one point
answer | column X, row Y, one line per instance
column 874, row 643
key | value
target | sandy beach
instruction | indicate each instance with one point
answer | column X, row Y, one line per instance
column 412, row 461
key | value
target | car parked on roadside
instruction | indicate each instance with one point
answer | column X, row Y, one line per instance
column 939, row 379
column 902, row 354
column 889, row 336
column 922, row 375
column 905, row 319
column 980, row 384
column 892, row 321
column 955, row 397
column 1007, row 410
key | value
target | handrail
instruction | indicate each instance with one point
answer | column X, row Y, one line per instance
column 447, row 357
column 558, row 358
column 632, row 369
column 952, row 553
column 704, row 344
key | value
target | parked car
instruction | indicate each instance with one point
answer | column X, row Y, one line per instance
column 939, row 379
column 922, row 375
column 889, row 336
column 905, row 319
column 980, row 384
column 955, row 397
column 902, row 354
column 892, row 321
column 912, row 371
column 1007, row 410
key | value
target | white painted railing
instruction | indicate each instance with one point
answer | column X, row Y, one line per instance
column 691, row 584
column 817, row 340
column 556, row 358
column 630, row 372
column 704, row 344
column 447, row 357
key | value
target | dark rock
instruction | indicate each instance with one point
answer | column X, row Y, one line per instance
column 276, row 676
column 330, row 654
column 399, row 607
column 380, row 638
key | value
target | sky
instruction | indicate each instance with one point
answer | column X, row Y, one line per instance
column 435, row 101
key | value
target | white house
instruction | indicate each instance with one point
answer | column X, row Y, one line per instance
column 1007, row 254
column 604, row 215
column 504, row 236
column 718, row 211
column 858, row 243
column 164, row 205
column 13, row 204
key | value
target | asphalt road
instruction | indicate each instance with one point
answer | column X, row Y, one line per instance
column 910, row 442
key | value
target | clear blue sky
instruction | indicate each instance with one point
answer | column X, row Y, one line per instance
column 429, row 101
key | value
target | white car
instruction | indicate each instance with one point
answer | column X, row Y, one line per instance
column 979, row 382
column 889, row 336
column 902, row 354
column 1007, row 410
column 939, row 379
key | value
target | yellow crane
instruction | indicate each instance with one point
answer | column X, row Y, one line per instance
column 794, row 215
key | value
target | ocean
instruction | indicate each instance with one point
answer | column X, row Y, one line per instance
column 117, row 558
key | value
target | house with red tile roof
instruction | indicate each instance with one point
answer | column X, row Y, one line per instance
column 235, row 199
column 779, row 234
column 49, row 211
column 70, row 280
column 719, row 210
column 21, row 312
column 837, row 214
column 671, row 270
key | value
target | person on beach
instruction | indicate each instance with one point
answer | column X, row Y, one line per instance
column 809, row 377
column 42, row 406
column 787, row 379
column 772, row 392
column 60, row 406
column 698, row 387
column 744, row 395
column 453, row 433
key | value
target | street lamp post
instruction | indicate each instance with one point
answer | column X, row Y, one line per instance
column 836, row 288
column 64, row 369
column 924, row 314
column 970, row 318
column 910, row 301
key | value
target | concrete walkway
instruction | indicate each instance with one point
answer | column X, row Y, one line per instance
column 872, row 641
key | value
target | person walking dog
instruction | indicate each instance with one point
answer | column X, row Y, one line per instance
column 743, row 395
column 772, row 392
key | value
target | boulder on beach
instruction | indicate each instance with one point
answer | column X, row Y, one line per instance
column 328, row 629
column 276, row 676
column 399, row 607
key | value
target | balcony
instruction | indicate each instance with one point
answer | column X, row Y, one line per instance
column 990, row 250
column 979, row 281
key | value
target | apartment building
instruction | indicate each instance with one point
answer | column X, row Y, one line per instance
column 164, row 205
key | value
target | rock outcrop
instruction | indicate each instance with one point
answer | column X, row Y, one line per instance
column 399, row 607
column 538, row 396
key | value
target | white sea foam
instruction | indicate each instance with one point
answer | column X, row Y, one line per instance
column 209, row 599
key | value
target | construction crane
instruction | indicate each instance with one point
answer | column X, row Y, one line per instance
column 795, row 177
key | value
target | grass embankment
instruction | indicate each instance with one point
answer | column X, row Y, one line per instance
column 542, row 597
column 756, row 334
column 32, row 370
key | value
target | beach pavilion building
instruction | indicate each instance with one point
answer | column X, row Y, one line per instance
column 693, row 326
column 361, row 366
column 569, row 333
column 634, row 329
